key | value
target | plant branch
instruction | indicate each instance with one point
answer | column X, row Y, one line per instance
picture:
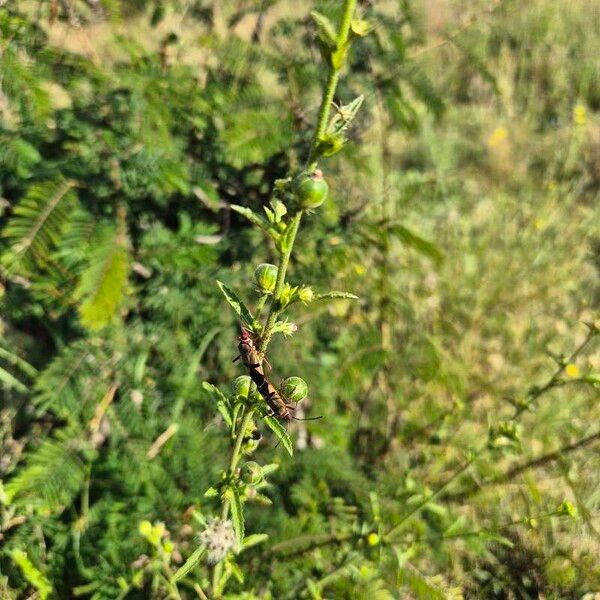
column 284, row 261
column 324, row 109
column 331, row 85
column 235, row 457
column 517, row 470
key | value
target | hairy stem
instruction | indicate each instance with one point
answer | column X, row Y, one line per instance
column 324, row 109
column 284, row 261
column 331, row 85
column 235, row 457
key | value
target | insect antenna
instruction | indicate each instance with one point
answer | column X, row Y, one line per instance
column 308, row 418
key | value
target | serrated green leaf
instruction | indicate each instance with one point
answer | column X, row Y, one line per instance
column 253, row 540
column 232, row 568
column 260, row 499
column 281, row 432
column 238, row 306
column 237, row 513
column 189, row 564
column 252, row 217
column 223, row 404
column 325, row 29
column 270, row 468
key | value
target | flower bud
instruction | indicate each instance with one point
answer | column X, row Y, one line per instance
column 294, row 389
column 310, row 189
column 306, row 295
column 251, row 473
column 243, row 386
column 265, row 276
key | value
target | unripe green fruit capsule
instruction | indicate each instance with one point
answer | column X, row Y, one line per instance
column 251, row 473
column 294, row 389
column 310, row 189
column 243, row 386
column 265, row 276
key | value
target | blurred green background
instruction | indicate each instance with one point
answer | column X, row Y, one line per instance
column 464, row 212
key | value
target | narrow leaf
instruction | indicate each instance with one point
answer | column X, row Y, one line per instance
column 325, row 28
column 11, row 382
column 251, row 216
column 281, row 432
column 415, row 241
column 223, row 405
column 237, row 513
column 189, row 564
column 254, row 539
column 238, row 306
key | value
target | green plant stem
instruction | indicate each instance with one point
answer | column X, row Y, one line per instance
column 260, row 305
column 235, row 457
column 331, row 85
column 284, row 261
column 324, row 109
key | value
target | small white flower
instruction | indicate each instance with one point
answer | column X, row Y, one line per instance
column 219, row 539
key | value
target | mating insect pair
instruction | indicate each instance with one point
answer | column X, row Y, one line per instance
column 252, row 360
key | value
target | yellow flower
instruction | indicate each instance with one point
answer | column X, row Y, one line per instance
column 572, row 371
column 372, row 539
column 497, row 137
column 145, row 528
column 579, row 114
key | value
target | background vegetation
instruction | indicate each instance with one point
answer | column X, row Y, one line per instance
column 459, row 394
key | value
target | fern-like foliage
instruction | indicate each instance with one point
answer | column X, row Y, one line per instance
column 53, row 474
column 35, row 227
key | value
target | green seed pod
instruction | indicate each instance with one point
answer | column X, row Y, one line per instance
column 294, row 389
column 310, row 189
column 251, row 473
column 243, row 386
column 265, row 276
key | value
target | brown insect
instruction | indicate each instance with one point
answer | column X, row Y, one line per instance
column 252, row 360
